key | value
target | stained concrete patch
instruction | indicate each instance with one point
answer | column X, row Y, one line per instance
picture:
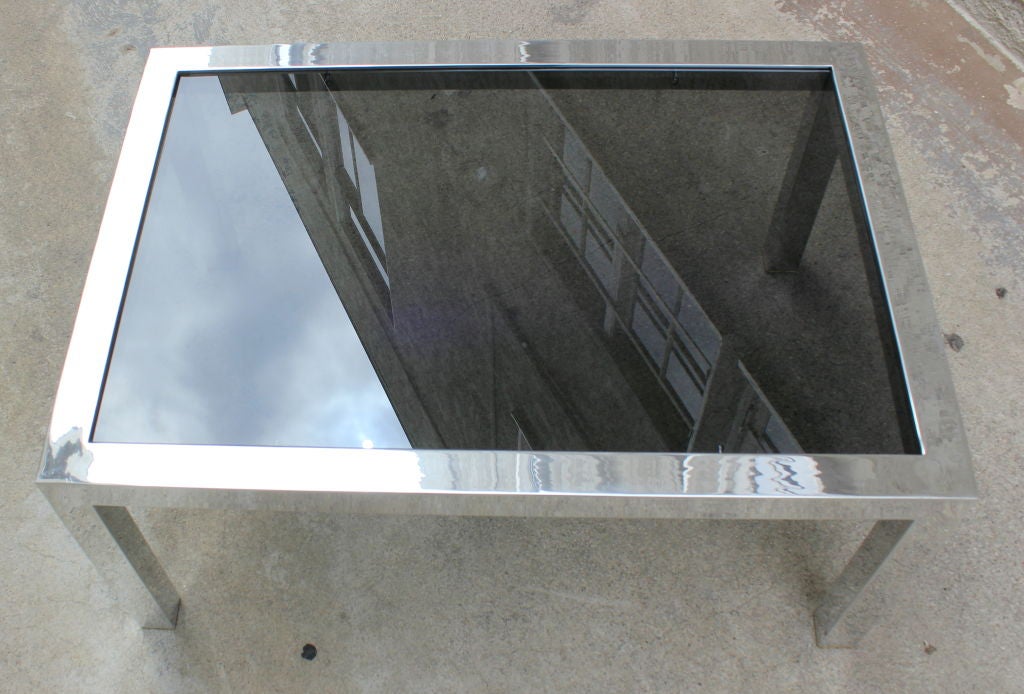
column 950, row 103
column 992, row 59
column 1015, row 92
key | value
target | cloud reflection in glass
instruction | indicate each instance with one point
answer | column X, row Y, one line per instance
column 230, row 319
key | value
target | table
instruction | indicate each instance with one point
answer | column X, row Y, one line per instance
column 558, row 278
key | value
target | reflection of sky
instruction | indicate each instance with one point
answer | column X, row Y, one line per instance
column 232, row 332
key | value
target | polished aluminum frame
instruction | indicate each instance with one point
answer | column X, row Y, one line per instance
column 91, row 484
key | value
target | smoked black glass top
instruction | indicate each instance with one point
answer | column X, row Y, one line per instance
column 553, row 260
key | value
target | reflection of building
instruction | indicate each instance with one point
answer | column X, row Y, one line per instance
column 505, row 292
column 646, row 300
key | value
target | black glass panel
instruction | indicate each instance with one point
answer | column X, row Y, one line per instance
column 594, row 260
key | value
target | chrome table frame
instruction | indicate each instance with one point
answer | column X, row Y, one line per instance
column 91, row 485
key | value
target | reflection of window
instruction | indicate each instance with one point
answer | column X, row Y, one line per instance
column 669, row 356
column 376, row 252
column 641, row 291
column 347, row 159
column 683, row 383
column 657, row 273
column 599, row 250
column 606, row 201
column 366, row 182
column 364, row 211
column 311, row 143
column 572, row 220
column 648, row 325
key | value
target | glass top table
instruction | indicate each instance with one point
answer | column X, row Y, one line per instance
column 539, row 278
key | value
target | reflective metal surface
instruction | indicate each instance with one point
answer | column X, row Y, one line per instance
column 920, row 467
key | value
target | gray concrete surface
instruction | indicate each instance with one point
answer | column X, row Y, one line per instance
column 402, row 604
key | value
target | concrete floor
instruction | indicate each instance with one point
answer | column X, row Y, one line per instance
column 447, row 604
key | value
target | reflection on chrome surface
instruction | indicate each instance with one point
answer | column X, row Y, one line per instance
column 505, row 472
column 524, row 260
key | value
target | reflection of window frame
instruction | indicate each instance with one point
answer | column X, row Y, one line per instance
column 371, row 247
column 359, row 176
column 595, row 239
column 350, row 203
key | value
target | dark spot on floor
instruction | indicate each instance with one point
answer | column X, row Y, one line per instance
column 929, row 649
column 309, row 651
column 437, row 119
column 114, row 32
column 955, row 342
column 1001, row 292
column 127, row 48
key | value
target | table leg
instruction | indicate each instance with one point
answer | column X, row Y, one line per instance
column 113, row 542
column 803, row 186
column 840, row 620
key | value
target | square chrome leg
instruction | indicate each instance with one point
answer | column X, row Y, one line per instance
column 113, row 542
column 840, row 620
